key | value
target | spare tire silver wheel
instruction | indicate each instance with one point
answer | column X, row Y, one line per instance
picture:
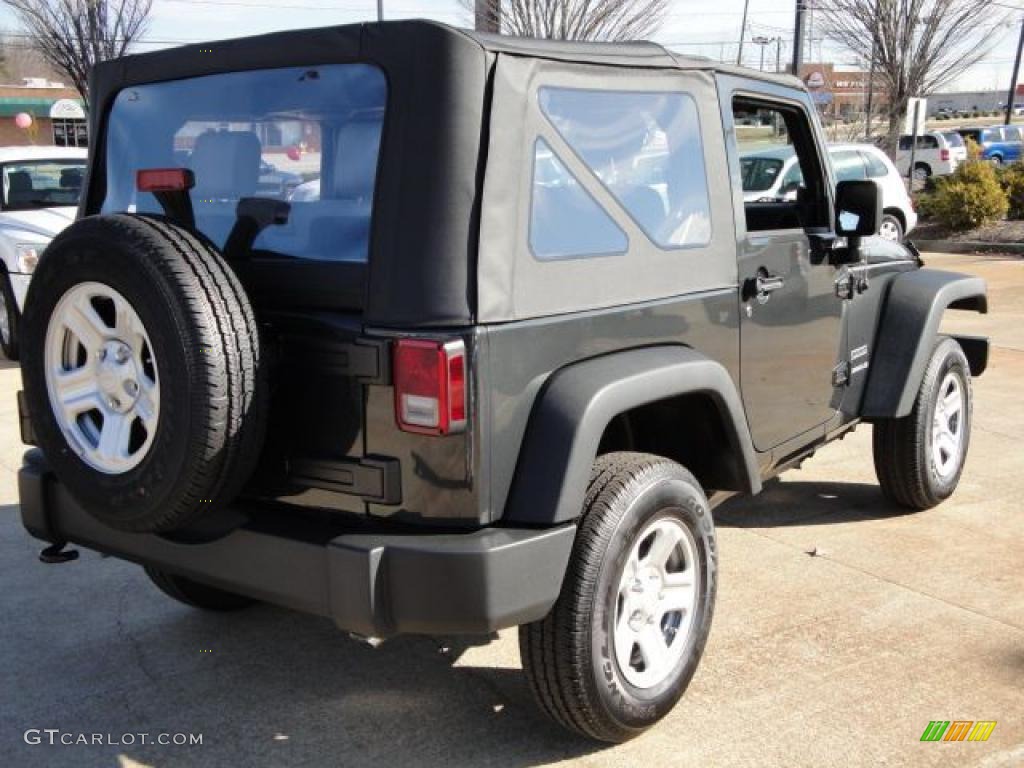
column 143, row 375
column 102, row 378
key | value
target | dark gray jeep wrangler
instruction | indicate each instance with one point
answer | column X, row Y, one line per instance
column 428, row 331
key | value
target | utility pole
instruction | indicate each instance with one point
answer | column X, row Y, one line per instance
column 380, row 10
column 798, row 37
column 743, row 33
column 778, row 54
column 1013, row 80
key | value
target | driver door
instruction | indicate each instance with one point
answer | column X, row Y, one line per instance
column 790, row 316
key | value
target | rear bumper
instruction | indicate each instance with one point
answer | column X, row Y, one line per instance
column 371, row 583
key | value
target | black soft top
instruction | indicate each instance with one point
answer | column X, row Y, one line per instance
column 424, row 232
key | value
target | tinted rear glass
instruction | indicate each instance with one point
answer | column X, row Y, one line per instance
column 309, row 136
column 954, row 139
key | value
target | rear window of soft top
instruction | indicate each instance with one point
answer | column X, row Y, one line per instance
column 309, row 136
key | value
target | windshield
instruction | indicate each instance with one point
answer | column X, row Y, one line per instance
column 759, row 173
column 308, row 136
column 42, row 184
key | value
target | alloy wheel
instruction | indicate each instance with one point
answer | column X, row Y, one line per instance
column 947, row 427
column 101, row 377
column 656, row 603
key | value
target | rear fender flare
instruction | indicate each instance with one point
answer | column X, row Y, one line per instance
column 906, row 334
column 576, row 406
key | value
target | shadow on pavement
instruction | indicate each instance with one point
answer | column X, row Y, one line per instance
column 807, row 503
column 93, row 647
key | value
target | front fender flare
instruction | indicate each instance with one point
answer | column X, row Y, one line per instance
column 906, row 335
column 577, row 405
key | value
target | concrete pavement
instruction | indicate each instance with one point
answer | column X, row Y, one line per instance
column 836, row 659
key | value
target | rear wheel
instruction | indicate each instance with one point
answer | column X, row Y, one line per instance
column 8, row 319
column 919, row 458
column 196, row 594
column 922, row 172
column 142, row 373
column 624, row 638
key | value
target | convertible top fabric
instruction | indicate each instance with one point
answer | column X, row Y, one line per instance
column 423, row 242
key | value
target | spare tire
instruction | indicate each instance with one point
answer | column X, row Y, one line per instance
column 142, row 372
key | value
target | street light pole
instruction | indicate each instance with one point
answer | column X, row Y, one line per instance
column 380, row 10
column 1013, row 80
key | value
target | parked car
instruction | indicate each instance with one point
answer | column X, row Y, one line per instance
column 273, row 182
column 504, row 398
column 999, row 144
column 774, row 174
column 41, row 186
column 938, row 153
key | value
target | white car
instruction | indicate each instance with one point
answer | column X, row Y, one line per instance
column 938, row 153
column 773, row 175
column 38, row 199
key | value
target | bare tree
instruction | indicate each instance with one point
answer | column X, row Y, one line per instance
column 570, row 19
column 73, row 35
column 20, row 59
column 919, row 45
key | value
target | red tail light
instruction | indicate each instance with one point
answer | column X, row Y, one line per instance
column 944, row 155
column 164, row 180
column 430, row 386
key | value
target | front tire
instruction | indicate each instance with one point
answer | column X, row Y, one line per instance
column 9, row 319
column 624, row 638
column 920, row 457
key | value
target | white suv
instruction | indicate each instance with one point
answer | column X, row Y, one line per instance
column 774, row 174
column 938, row 153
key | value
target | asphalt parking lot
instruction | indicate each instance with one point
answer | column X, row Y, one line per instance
column 840, row 658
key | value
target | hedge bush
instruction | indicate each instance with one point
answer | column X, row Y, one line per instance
column 970, row 197
column 1011, row 178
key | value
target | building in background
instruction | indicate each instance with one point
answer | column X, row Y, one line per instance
column 56, row 111
column 841, row 94
column 970, row 101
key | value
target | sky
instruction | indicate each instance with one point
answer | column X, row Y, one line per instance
column 690, row 26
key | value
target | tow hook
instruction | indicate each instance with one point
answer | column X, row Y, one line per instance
column 56, row 554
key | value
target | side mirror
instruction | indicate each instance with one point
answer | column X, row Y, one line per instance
column 858, row 209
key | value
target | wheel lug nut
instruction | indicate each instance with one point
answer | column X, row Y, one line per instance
column 122, row 355
column 131, row 388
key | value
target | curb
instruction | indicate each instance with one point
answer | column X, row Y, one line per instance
column 967, row 246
